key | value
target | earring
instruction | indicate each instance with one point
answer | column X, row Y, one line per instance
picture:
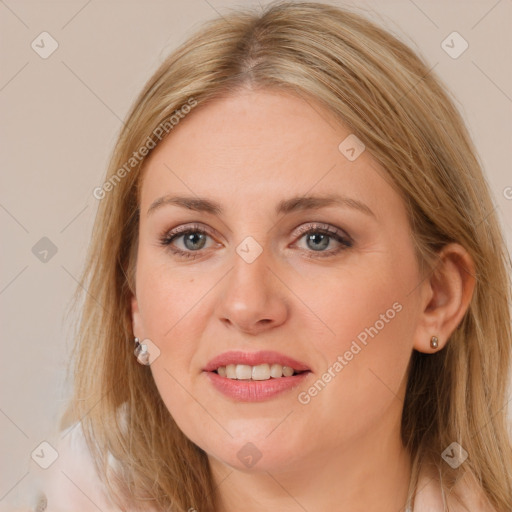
column 434, row 342
column 141, row 352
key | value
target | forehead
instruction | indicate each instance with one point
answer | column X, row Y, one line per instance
column 260, row 145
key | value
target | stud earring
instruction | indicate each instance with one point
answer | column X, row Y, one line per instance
column 141, row 352
column 434, row 342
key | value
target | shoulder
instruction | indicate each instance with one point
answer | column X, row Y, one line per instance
column 71, row 481
column 466, row 495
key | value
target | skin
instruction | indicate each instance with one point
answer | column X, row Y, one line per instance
column 342, row 450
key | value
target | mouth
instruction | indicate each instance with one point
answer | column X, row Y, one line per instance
column 263, row 371
column 257, row 376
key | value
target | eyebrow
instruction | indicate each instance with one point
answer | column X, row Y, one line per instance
column 299, row 203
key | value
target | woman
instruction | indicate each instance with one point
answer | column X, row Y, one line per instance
column 297, row 288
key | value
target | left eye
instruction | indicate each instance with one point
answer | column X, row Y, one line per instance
column 318, row 238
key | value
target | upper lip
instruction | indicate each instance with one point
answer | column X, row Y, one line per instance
column 254, row 359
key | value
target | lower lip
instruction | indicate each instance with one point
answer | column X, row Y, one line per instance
column 254, row 390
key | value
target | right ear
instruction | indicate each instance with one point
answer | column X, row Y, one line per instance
column 136, row 319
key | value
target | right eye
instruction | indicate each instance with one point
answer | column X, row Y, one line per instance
column 193, row 239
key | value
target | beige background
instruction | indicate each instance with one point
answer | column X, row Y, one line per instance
column 61, row 115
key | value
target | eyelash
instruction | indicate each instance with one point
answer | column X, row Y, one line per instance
column 324, row 229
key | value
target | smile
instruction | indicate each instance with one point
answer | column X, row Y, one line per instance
column 260, row 372
column 256, row 376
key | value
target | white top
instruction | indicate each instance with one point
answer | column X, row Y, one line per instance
column 70, row 483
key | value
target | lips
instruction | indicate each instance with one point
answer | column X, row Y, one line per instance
column 254, row 359
column 244, row 376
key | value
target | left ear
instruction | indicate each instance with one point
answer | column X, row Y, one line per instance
column 446, row 295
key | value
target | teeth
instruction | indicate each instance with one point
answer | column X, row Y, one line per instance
column 287, row 371
column 259, row 372
column 243, row 371
column 276, row 371
column 231, row 371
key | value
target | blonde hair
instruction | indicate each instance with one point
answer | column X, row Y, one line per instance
column 388, row 97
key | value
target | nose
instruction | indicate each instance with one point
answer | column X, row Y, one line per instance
column 253, row 298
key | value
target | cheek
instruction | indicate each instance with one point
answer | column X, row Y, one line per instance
column 168, row 297
column 169, row 302
column 372, row 314
column 360, row 301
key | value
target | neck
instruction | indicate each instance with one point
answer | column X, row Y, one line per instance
column 369, row 473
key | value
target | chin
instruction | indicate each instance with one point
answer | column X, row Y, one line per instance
column 250, row 459
column 256, row 450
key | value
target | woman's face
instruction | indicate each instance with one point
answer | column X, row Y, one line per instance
column 257, row 275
